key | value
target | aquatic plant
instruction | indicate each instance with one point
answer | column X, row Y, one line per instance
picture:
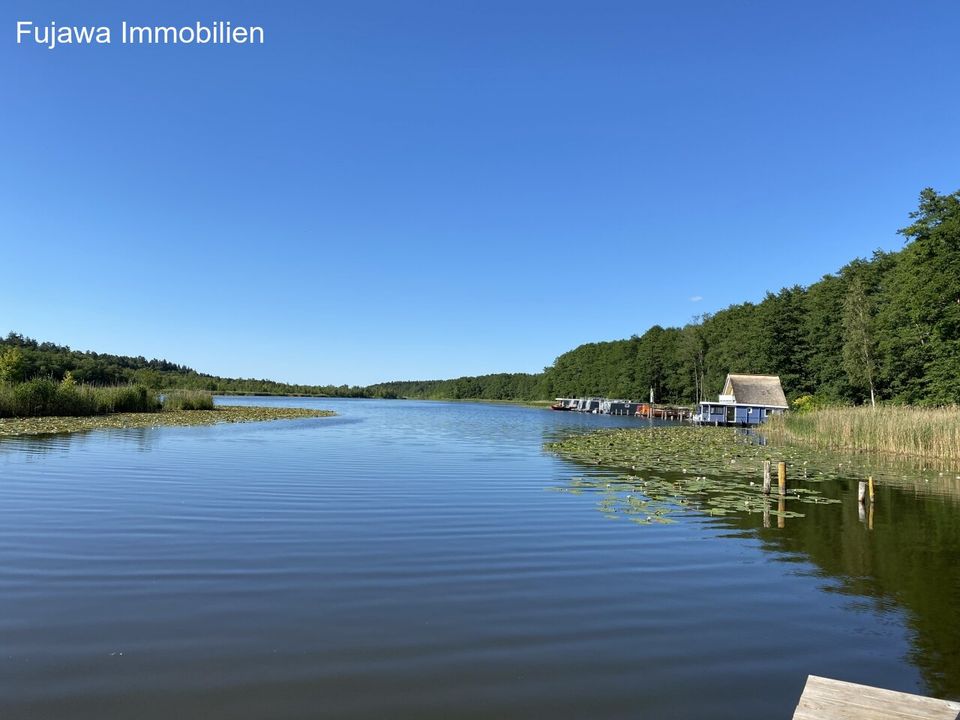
column 665, row 470
column 221, row 414
column 651, row 473
column 897, row 430
column 45, row 397
column 187, row 400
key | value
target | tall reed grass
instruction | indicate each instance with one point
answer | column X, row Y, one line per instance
column 188, row 400
column 895, row 430
column 45, row 397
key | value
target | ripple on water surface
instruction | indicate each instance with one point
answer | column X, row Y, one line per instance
column 401, row 560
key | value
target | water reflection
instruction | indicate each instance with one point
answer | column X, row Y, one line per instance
column 901, row 551
column 405, row 560
column 36, row 446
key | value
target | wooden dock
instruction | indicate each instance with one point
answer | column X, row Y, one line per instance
column 826, row 699
column 631, row 408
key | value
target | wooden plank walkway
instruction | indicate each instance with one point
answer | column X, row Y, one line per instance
column 826, row 699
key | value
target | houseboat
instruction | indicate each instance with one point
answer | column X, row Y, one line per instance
column 746, row 400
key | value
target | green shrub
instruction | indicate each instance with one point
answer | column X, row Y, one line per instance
column 36, row 397
column 804, row 404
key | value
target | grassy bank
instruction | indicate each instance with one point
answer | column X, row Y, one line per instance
column 223, row 414
column 904, row 431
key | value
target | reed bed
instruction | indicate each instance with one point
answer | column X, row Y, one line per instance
column 187, row 400
column 43, row 397
column 893, row 430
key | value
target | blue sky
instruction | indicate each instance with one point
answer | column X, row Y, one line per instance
column 398, row 190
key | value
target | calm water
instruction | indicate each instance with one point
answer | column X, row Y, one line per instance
column 411, row 560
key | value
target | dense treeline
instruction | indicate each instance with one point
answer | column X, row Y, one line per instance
column 500, row 386
column 22, row 358
column 885, row 328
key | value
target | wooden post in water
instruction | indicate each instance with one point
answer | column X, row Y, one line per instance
column 870, row 488
column 766, row 477
column 861, row 492
column 782, row 477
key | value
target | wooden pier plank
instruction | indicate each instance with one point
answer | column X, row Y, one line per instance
column 826, row 699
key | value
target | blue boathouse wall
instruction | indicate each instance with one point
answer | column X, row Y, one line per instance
column 715, row 413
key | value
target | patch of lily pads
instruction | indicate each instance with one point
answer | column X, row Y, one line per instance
column 222, row 414
column 715, row 471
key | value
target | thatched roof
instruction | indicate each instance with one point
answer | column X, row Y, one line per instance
column 756, row 390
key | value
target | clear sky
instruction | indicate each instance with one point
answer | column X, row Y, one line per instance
column 409, row 189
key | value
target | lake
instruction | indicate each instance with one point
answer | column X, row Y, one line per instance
column 416, row 560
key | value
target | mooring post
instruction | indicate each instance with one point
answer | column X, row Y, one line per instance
column 870, row 487
column 782, row 477
column 766, row 477
column 861, row 492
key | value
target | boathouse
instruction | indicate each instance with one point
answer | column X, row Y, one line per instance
column 745, row 400
column 618, row 407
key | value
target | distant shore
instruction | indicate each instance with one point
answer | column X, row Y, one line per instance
column 540, row 404
column 50, row 425
column 253, row 393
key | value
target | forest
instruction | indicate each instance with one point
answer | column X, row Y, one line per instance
column 499, row 386
column 22, row 358
column 881, row 329
column 885, row 328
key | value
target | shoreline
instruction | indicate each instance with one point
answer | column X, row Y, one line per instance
column 538, row 404
column 55, row 425
column 714, row 452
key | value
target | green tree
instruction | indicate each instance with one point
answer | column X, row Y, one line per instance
column 11, row 365
column 926, row 299
column 695, row 355
column 859, row 346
